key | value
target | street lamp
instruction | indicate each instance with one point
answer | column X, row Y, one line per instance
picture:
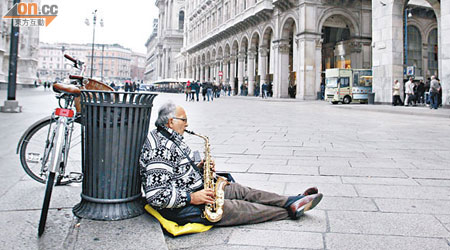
column 408, row 14
column 94, row 22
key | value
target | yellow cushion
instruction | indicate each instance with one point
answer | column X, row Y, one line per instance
column 175, row 229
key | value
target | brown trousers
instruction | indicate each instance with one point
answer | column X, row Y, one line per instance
column 244, row 205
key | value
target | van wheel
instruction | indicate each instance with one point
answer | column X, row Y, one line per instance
column 347, row 100
column 333, row 102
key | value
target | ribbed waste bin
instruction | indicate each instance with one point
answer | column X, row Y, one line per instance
column 115, row 127
column 371, row 98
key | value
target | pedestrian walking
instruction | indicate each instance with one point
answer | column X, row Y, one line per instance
column 187, row 91
column 396, row 94
column 435, row 87
column 421, row 93
column 409, row 91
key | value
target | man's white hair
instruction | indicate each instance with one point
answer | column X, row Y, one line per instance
column 166, row 112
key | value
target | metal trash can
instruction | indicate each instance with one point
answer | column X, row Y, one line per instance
column 371, row 98
column 115, row 127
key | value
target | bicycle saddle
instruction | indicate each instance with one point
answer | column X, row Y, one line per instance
column 66, row 89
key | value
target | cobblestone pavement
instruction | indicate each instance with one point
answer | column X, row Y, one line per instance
column 384, row 173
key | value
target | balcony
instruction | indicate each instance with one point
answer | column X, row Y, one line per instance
column 253, row 15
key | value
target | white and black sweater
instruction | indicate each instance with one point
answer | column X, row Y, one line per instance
column 167, row 176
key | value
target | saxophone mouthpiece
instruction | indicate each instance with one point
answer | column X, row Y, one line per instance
column 189, row 132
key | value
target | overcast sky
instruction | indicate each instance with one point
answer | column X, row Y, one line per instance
column 128, row 23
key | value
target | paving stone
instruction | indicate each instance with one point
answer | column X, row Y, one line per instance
column 283, row 169
column 342, row 154
column 403, row 192
column 250, row 176
column 19, row 229
column 312, row 221
column 232, row 167
column 379, row 180
column 136, row 233
column 424, row 174
column 274, row 151
column 347, row 203
column 276, row 238
column 401, row 154
column 369, row 172
column 29, row 194
column 376, row 242
column 269, row 186
column 445, row 220
column 433, row 182
column 258, row 161
column 432, row 164
column 417, row 206
column 305, row 179
column 370, row 163
column 283, row 143
column 386, row 224
column 328, row 189
column 228, row 149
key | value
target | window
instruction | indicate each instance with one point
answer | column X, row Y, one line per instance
column 344, row 82
column 414, row 49
column 181, row 20
column 433, row 53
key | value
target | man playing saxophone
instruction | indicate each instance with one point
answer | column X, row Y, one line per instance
column 174, row 183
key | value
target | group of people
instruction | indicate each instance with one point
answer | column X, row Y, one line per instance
column 418, row 93
column 209, row 90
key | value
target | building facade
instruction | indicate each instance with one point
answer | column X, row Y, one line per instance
column 290, row 43
column 150, row 73
column 27, row 62
column 286, row 43
column 137, row 67
column 111, row 62
column 169, row 39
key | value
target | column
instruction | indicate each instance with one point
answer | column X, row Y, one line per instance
column 241, row 62
column 281, row 72
column 225, row 71
column 251, row 72
column 262, row 68
column 444, row 52
column 387, row 48
column 207, row 72
column 217, row 70
column 306, row 72
column 202, row 72
column 232, row 72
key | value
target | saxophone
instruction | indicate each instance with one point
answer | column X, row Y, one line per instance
column 213, row 212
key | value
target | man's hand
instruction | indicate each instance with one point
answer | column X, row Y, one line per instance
column 202, row 163
column 204, row 196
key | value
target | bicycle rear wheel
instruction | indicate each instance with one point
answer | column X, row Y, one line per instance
column 46, row 204
column 34, row 145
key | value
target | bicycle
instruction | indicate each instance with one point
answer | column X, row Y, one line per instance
column 44, row 148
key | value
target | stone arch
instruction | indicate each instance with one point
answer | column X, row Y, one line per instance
column 288, row 22
column 417, row 25
column 227, row 52
column 235, row 47
column 243, row 45
column 352, row 22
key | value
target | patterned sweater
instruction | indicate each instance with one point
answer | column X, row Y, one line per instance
column 167, row 176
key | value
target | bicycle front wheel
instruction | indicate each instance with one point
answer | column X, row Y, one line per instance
column 36, row 147
column 46, row 204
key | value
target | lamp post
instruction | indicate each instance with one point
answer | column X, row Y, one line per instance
column 408, row 14
column 94, row 22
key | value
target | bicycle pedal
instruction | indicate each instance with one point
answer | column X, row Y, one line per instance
column 75, row 176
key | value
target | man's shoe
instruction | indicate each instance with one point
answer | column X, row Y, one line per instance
column 310, row 191
column 298, row 208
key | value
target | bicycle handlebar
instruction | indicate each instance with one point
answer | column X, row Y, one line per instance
column 75, row 77
column 70, row 58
